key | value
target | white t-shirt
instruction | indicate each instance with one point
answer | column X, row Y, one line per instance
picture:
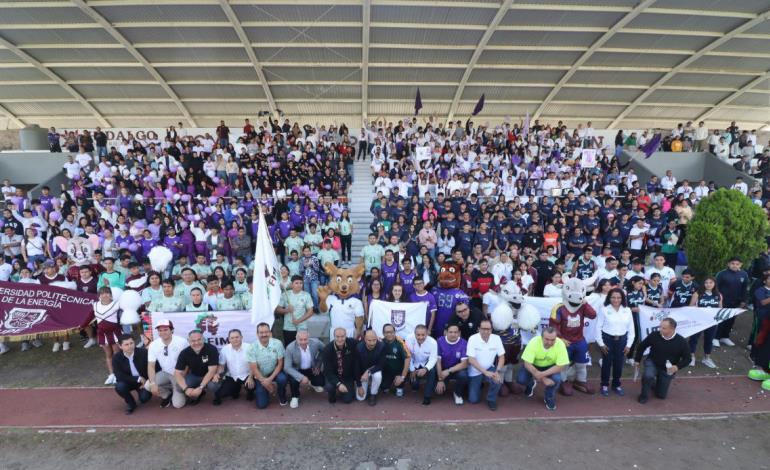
column 5, row 272
column 343, row 314
column 84, row 159
column 72, row 169
column 485, row 352
column 666, row 275
column 156, row 353
column 636, row 243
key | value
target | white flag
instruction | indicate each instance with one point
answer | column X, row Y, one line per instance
column 267, row 289
column 403, row 316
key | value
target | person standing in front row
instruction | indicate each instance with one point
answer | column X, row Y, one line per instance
column 733, row 283
column 669, row 353
column 615, row 324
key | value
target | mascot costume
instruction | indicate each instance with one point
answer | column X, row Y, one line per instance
column 760, row 353
column 80, row 252
column 568, row 319
column 509, row 315
column 338, row 298
column 448, row 294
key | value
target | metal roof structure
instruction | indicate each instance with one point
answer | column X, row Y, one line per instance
column 617, row 63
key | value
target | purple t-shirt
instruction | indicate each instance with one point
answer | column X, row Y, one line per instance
column 446, row 300
column 451, row 354
column 427, row 297
column 389, row 274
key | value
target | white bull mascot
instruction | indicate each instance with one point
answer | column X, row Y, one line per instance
column 510, row 315
column 568, row 318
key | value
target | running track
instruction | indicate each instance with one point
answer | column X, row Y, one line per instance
column 101, row 408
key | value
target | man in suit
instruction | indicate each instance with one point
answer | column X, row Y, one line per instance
column 130, row 369
column 303, row 365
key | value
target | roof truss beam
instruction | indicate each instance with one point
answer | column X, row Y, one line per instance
column 726, row 102
column 367, row 15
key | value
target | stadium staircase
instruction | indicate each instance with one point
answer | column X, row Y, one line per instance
column 360, row 199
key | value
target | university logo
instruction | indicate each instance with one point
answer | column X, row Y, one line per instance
column 208, row 323
column 19, row 319
column 398, row 318
column 722, row 314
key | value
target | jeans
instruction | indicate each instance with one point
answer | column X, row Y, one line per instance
column 315, row 381
column 525, row 379
column 708, row 336
column 192, row 381
column 124, row 389
column 101, row 151
column 723, row 329
column 263, row 396
column 655, row 377
column 430, row 383
column 232, row 388
column 461, row 381
column 474, row 387
column 312, row 288
column 613, row 360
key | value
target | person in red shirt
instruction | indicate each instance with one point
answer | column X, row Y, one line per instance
column 568, row 318
column 644, row 200
column 481, row 282
column 248, row 130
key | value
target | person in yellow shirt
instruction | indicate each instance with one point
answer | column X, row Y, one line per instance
column 676, row 145
column 544, row 358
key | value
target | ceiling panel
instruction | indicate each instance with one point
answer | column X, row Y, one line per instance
column 414, row 74
column 8, row 57
column 213, row 108
column 427, row 92
column 615, row 77
column 676, row 112
column 657, row 41
column 432, row 15
column 685, row 22
column 516, row 111
column 219, row 91
column 135, row 107
column 419, row 37
column 308, row 54
column 686, row 96
column 21, row 74
column 506, row 93
column 310, row 108
column 523, row 17
column 516, row 76
column 47, row 109
column 577, row 110
column 293, row 13
column 32, row 92
column 180, row 34
column 55, row 15
column 150, row 12
column 440, row 56
column 122, row 91
column 404, row 108
column 102, row 73
column 753, row 99
column 207, row 73
column 314, row 34
column 81, row 55
column 746, row 6
column 598, row 94
column 753, row 115
column 705, row 79
column 747, row 64
column 617, row 59
column 745, row 45
column 194, row 54
column 543, row 38
column 310, row 74
column 51, row 35
column 315, row 91
column 529, row 58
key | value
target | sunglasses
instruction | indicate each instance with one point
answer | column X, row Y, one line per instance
column 165, row 350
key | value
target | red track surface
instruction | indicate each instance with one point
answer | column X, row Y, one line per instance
column 78, row 408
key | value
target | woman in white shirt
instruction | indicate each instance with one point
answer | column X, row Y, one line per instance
column 615, row 328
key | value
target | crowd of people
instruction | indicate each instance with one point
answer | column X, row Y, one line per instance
column 516, row 203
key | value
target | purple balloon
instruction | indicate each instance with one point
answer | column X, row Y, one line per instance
column 168, row 193
column 133, row 247
column 140, row 224
column 209, row 210
column 252, row 171
column 55, row 216
column 215, row 180
column 123, row 245
column 213, row 199
column 171, row 182
column 241, row 210
column 108, row 193
column 183, row 224
column 185, row 197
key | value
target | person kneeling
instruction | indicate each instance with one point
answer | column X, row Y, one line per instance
column 196, row 369
column 130, row 368
column 483, row 349
column 424, row 351
column 302, row 364
column 452, row 363
column 544, row 358
column 371, row 359
column 669, row 353
column 339, row 359
column 266, row 363
column 234, row 370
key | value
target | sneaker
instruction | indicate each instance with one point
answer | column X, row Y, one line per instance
column 642, row 399
column 492, row 405
column 283, row 403
column 692, row 362
column 318, row 389
column 458, row 399
column 630, row 362
column 716, row 343
column 530, row 390
column 372, row 399
column 400, row 392
column 550, row 404
column 294, row 403
column 619, row 391
column 708, row 362
column 24, row 347
column 110, row 380
column 37, row 343
column 56, row 347
column 605, row 391
column 65, row 346
column 727, row 342
column 426, row 401
column 4, row 348
column 90, row 343
column 165, row 402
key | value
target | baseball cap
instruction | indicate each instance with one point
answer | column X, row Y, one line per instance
column 49, row 264
column 166, row 323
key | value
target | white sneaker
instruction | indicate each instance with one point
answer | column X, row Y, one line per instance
column 4, row 348
column 37, row 343
column 716, row 343
column 318, row 389
column 56, row 347
column 110, row 380
column 294, row 403
column 630, row 361
column 727, row 342
column 25, row 346
column 90, row 343
column 692, row 362
column 399, row 392
column 708, row 362
column 65, row 346
column 458, row 399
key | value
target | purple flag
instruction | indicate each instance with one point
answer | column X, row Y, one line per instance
column 652, row 146
column 525, row 128
column 417, row 103
column 479, row 106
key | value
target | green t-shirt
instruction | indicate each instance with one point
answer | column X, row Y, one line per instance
column 265, row 357
column 346, row 227
column 312, row 239
column 177, row 269
column 203, row 307
column 246, row 300
column 301, row 302
column 167, row 304
column 201, row 270
column 540, row 357
column 224, row 265
column 293, row 267
column 293, row 243
column 182, row 290
column 233, row 303
column 372, row 255
column 327, row 256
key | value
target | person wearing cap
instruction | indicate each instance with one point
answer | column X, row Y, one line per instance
column 162, row 355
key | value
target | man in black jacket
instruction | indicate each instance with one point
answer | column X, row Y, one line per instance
column 130, row 369
column 669, row 353
column 371, row 359
column 340, row 367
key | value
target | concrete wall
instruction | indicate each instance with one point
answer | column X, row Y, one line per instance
column 30, row 168
column 9, row 139
column 685, row 165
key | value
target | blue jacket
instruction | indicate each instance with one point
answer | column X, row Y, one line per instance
column 734, row 286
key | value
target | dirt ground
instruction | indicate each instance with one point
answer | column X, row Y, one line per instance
column 733, row 442
column 86, row 367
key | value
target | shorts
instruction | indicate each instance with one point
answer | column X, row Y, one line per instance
column 107, row 333
column 578, row 352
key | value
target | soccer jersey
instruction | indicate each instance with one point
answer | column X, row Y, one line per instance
column 233, row 303
column 446, row 300
column 167, row 304
column 372, row 255
column 343, row 314
column 300, row 302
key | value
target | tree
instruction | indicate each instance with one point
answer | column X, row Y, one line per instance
column 725, row 224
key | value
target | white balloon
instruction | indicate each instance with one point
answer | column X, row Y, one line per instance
column 130, row 302
column 528, row 318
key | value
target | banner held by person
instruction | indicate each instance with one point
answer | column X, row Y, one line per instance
column 266, row 275
column 32, row 311
column 403, row 316
column 689, row 320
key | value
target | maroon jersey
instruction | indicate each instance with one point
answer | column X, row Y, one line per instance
column 45, row 280
column 87, row 286
column 570, row 325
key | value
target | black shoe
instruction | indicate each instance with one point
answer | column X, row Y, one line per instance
column 642, row 399
column 130, row 409
column 372, row 400
column 332, row 399
column 250, row 396
column 217, row 401
column 492, row 405
column 426, row 401
column 165, row 402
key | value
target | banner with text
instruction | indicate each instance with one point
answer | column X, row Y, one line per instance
column 31, row 310
column 689, row 320
column 403, row 316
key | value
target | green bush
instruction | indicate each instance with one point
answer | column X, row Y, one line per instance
column 725, row 224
